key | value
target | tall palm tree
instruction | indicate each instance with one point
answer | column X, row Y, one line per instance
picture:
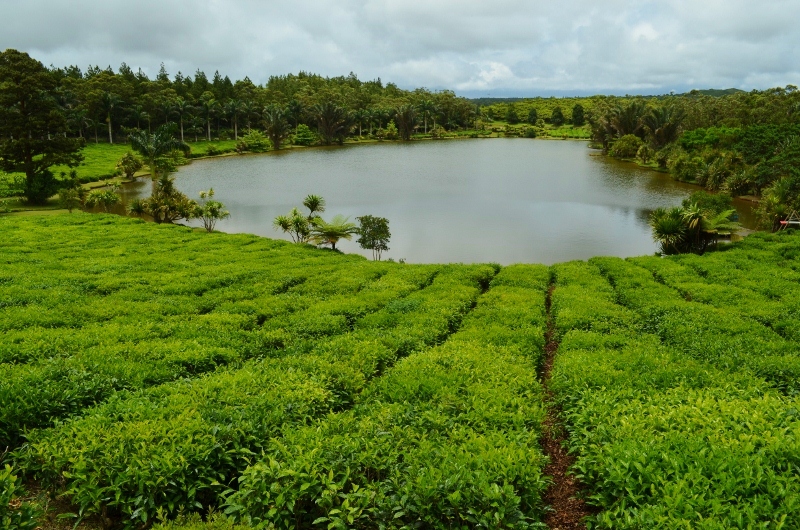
column 233, row 108
column 294, row 112
column 110, row 103
column 249, row 110
column 138, row 114
column 276, row 126
column 182, row 108
column 360, row 116
column 333, row 122
column 663, row 124
column 167, row 109
column 406, row 118
column 208, row 106
column 154, row 146
column 426, row 108
column 627, row 119
column 340, row 227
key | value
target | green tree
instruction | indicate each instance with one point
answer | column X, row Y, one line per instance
column 663, row 124
column 374, row 234
column 183, row 109
column 304, row 135
column 154, row 147
column 578, row 116
column 533, row 116
column 111, row 103
column 209, row 210
column 33, row 129
column 315, row 205
column 330, row 233
column 626, row 147
column 233, row 108
column 557, row 117
column 426, row 108
column 391, row 131
column 406, row 120
column 511, row 115
column 333, row 122
column 208, row 107
column 276, row 126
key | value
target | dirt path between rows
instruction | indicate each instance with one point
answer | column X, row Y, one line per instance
column 564, row 494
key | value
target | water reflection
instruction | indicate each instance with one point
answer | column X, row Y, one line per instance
column 498, row 200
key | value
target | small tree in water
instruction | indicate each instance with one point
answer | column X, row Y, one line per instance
column 374, row 234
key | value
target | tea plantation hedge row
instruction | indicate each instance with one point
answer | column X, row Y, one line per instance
column 155, row 372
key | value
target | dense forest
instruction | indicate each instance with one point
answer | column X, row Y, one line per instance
column 741, row 143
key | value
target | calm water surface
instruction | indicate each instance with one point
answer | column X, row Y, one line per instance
column 494, row 200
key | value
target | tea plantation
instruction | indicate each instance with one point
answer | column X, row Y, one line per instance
column 152, row 372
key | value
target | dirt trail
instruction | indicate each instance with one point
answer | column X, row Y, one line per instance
column 563, row 496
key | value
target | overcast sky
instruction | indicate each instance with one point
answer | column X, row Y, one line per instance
column 474, row 47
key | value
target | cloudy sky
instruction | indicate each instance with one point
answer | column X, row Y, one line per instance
column 474, row 47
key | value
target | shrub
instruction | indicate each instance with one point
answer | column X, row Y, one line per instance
column 15, row 513
column 626, row 147
column 304, row 136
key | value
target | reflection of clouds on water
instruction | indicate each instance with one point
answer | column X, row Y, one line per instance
column 498, row 200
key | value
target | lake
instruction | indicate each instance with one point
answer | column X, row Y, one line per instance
column 490, row 200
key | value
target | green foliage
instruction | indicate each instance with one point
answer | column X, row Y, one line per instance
column 557, row 117
column 15, row 513
column 511, row 116
column 329, row 233
column 304, row 136
column 166, row 204
column 33, row 127
column 391, row 131
column 578, row 116
column 626, row 147
column 693, row 227
column 678, row 395
column 209, row 211
column 129, row 165
column 374, row 234
column 104, row 198
column 253, row 142
column 714, row 203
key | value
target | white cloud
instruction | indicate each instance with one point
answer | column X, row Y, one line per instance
column 510, row 46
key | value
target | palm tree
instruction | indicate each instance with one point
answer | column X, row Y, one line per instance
column 669, row 229
column 276, row 126
column 340, row 227
column 294, row 112
column 628, row 119
column 333, row 122
column 426, row 107
column 315, row 205
column 295, row 224
column 110, row 102
column 233, row 108
column 182, row 108
column 166, row 108
column 249, row 110
column 154, row 146
column 360, row 116
column 406, row 118
column 208, row 106
column 663, row 124
column 138, row 114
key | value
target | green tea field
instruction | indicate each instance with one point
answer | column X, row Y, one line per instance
column 150, row 373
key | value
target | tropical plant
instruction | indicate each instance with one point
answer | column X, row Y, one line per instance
column 391, row 132
column 129, row 164
column 156, row 146
column 110, row 104
column 183, row 109
column 105, row 198
column 426, row 108
column 276, row 126
column 304, row 136
column 166, row 204
column 406, row 118
column 557, row 117
column 329, row 233
column 209, row 210
column 578, row 115
column 626, row 147
column 333, row 122
column 254, row 142
column 295, row 224
column 663, row 124
column 315, row 205
column 669, row 229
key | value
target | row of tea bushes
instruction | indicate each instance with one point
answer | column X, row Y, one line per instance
column 662, row 438
column 449, row 438
column 721, row 337
column 178, row 446
column 35, row 393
